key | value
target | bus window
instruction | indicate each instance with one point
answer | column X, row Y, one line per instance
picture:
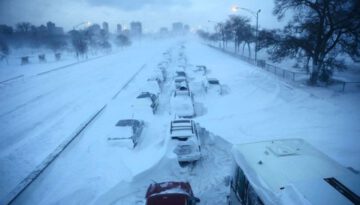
column 244, row 190
column 240, row 186
column 252, row 197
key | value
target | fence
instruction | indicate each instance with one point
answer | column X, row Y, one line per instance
column 346, row 84
column 285, row 74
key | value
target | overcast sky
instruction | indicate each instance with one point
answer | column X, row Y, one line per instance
column 152, row 13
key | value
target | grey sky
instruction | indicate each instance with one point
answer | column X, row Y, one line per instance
column 152, row 13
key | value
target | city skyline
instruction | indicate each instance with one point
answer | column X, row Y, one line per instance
column 153, row 14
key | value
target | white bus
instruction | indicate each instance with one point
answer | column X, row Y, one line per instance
column 290, row 172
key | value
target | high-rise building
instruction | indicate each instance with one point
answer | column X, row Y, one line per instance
column 186, row 28
column 118, row 29
column 105, row 26
column 164, row 30
column 136, row 29
column 177, row 28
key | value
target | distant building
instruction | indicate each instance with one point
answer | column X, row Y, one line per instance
column 118, row 29
column 105, row 27
column 186, row 28
column 135, row 29
column 54, row 29
column 126, row 32
column 164, row 30
column 42, row 29
column 50, row 26
column 177, row 28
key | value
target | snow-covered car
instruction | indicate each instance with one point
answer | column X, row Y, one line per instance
column 127, row 133
column 212, row 85
column 158, row 75
column 147, row 101
column 153, row 86
column 181, row 73
column 170, row 193
column 187, row 141
column 200, row 68
column 182, row 104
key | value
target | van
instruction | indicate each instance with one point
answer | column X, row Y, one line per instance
column 289, row 171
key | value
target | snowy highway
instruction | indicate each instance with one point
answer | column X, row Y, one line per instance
column 38, row 113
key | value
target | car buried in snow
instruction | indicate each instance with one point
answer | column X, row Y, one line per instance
column 182, row 103
column 186, row 139
column 201, row 69
column 170, row 193
column 180, row 73
column 289, row 171
column 127, row 133
column 147, row 101
column 212, row 85
column 153, row 86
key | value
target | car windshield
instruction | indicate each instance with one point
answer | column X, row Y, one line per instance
column 168, row 199
column 180, row 138
column 213, row 82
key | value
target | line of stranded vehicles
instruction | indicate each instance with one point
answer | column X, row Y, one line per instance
column 286, row 171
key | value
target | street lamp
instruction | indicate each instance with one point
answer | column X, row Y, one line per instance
column 256, row 14
column 86, row 23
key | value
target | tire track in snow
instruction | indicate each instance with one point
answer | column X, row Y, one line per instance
column 128, row 82
column 27, row 103
column 11, row 79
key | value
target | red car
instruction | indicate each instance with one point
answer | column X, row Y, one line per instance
column 170, row 193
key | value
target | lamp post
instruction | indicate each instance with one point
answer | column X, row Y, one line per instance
column 86, row 23
column 256, row 14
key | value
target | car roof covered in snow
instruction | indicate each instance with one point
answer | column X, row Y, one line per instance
column 152, row 96
column 280, row 170
column 181, row 128
column 213, row 81
column 180, row 78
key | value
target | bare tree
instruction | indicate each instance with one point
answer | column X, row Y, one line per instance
column 79, row 43
column 23, row 27
column 122, row 41
column 4, row 51
column 242, row 32
column 318, row 32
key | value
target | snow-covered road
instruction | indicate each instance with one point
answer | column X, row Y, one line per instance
column 40, row 112
column 256, row 106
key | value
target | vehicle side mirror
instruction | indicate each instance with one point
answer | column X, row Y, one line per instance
column 227, row 180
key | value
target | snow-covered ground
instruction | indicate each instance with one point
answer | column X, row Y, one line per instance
column 350, row 74
column 39, row 112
